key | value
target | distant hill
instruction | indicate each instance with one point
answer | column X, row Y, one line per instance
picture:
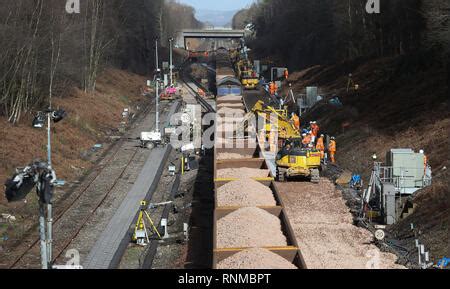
column 216, row 18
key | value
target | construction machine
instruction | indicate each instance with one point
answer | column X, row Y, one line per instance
column 293, row 161
column 247, row 74
column 276, row 119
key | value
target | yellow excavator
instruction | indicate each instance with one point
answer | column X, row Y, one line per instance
column 247, row 75
column 292, row 160
column 276, row 119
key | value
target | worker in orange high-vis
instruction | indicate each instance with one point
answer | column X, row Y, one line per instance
column 272, row 141
column 296, row 120
column 201, row 92
column 306, row 140
column 314, row 131
column 286, row 74
column 425, row 161
column 320, row 146
column 332, row 149
column 272, row 88
column 275, row 87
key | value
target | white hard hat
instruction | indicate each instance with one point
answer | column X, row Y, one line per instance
column 422, row 151
column 304, row 134
column 314, row 122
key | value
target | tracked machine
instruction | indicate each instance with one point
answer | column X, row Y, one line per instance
column 283, row 125
column 292, row 160
column 247, row 74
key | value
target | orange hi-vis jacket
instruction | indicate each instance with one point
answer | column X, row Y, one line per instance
column 306, row 140
column 425, row 163
column 272, row 88
column 296, row 121
column 332, row 146
column 315, row 129
column 320, row 145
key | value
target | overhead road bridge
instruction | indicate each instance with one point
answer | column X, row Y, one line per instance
column 207, row 33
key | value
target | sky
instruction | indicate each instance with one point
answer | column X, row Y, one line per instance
column 221, row 5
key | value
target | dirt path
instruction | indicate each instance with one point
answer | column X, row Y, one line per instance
column 324, row 229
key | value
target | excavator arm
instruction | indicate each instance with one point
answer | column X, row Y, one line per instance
column 285, row 127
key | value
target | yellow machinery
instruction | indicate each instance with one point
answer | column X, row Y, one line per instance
column 246, row 74
column 293, row 161
column 249, row 83
column 276, row 120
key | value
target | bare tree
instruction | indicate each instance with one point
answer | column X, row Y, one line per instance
column 45, row 50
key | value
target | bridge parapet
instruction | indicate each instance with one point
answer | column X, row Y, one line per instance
column 207, row 33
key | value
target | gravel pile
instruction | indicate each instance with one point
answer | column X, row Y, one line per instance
column 231, row 105
column 237, row 119
column 230, row 98
column 323, row 225
column 224, row 143
column 249, row 228
column 242, row 173
column 245, row 193
column 223, row 137
column 255, row 258
column 233, row 125
column 232, row 156
column 227, row 127
column 231, row 111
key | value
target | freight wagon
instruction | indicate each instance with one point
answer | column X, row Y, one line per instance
column 230, row 161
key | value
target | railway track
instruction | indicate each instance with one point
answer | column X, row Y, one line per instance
column 81, row 207
column 189, row 82
column 84, row 208
column 148, row 256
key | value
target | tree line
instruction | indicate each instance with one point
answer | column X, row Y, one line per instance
column 45, row 50
column 306, row 32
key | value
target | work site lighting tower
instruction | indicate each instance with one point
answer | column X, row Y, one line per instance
column 171, row 60
column 156, row 56
column 45, row 204
column 39, row 121
column 153, row 138
column 41, row 176
column 157, row 83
